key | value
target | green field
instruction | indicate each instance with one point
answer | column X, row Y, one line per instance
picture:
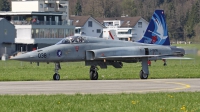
column 197, row 46
column 150, row 102
column 16, row 70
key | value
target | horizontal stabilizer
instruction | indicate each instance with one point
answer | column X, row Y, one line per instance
column 177, row 58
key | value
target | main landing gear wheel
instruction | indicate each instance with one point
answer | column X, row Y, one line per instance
column 56, row 76
column 165, row 63
column 143, row 75
column 93, row 73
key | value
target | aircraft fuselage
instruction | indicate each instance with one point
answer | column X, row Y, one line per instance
column 77, row 51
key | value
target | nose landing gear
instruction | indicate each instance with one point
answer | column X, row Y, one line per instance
column 56, row 76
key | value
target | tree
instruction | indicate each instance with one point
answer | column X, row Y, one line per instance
column 116, row 12
column 78, row 9
column 172, row 21
column 4, row 5
column 182, row 16
column 193, row 18
column 129, row 8
column 106, row 7
column 92, row 8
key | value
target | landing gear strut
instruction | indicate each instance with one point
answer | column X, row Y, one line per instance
column 93, row 73
column 144, row 73
column 165, row 63
column 56, row 76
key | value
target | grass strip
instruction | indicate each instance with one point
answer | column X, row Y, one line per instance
column 148, row 102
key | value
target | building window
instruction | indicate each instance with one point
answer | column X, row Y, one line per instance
column 33, row 33
column 46, row 32
column 36, row 33
column 139, row 24
column 89, row 23
column 41, row 5
column 41, row 33
column 52, row 33
column 5, row 32
column 98, row 30
column 77, row 31
column 61, row 33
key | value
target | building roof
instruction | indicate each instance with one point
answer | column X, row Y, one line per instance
column 132, row 21
column 1, row 19
column 79, row 21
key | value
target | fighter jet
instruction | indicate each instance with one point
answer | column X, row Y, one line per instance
column 94, row 51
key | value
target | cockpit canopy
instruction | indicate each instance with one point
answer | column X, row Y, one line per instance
column 72, row 39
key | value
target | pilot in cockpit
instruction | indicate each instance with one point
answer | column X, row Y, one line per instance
column 72, row 39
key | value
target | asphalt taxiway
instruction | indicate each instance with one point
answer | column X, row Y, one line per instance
column 99, row 86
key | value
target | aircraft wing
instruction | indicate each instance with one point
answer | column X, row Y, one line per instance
column 129, row 53
column 117, row 53
column 129, row 56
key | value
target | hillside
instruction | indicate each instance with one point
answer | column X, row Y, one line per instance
column 182, row 16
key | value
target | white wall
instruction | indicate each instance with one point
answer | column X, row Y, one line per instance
column 137, row 32
column 92, row 31
column 23, row 6
column 24, row 33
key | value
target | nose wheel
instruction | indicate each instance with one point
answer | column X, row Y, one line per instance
column 93, row 73
column 56, row 76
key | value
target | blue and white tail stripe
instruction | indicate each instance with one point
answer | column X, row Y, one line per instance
column 156, row 32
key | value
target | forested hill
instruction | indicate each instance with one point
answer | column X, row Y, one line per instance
column 183, row 16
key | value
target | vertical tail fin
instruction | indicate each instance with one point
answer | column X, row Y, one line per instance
column 156, row 32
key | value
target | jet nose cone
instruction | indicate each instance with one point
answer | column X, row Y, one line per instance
column 21, row 57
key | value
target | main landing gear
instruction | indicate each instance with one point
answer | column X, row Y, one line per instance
column 56, row 76
column 93, row 73
column 165, row 63
column 144, row 73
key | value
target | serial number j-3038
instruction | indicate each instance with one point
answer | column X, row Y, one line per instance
column 42, row 55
